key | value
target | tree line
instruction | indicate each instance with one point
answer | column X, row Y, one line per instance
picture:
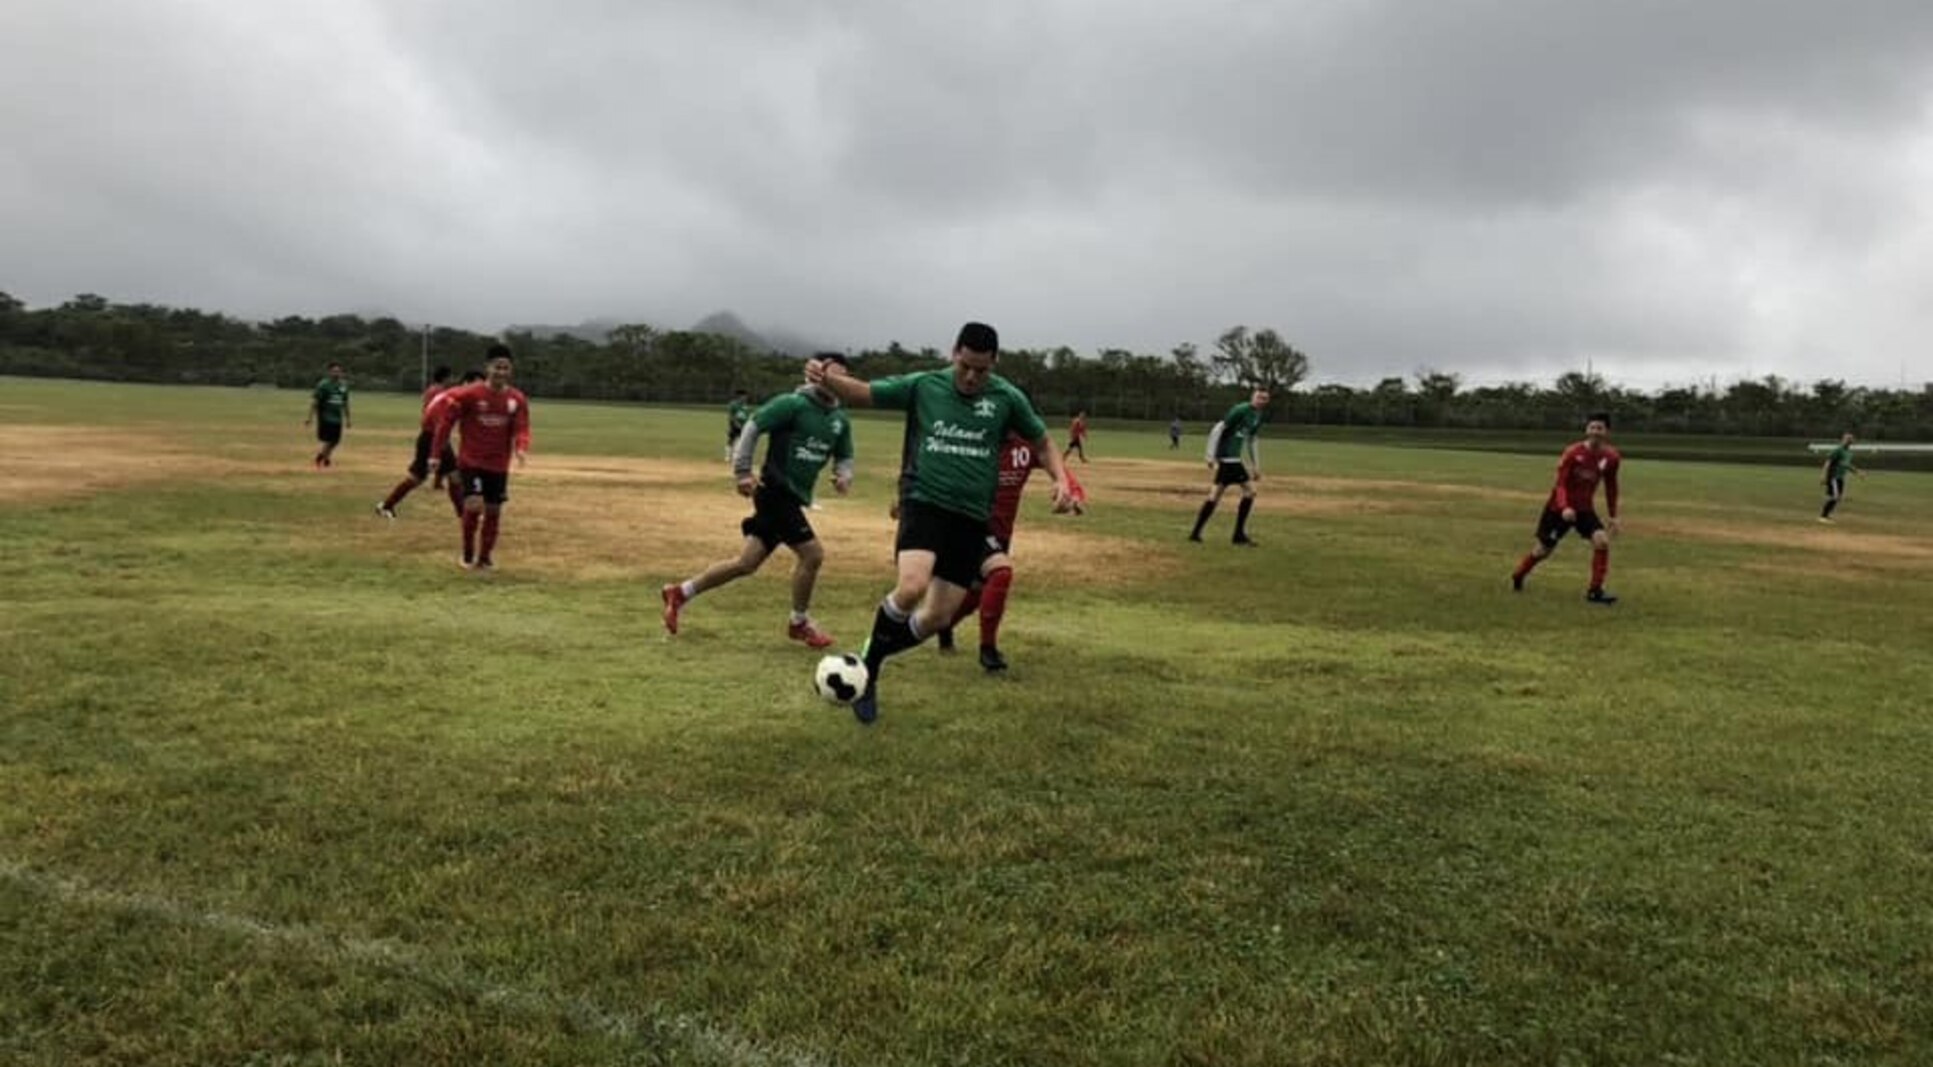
column 90, row 337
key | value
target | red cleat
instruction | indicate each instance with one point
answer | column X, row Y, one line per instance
column 809, row 632
column 674, row 602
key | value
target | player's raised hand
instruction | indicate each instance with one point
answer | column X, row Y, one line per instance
column 747, row 484
column 815, row 371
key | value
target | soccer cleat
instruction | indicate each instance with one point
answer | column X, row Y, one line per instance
column 1517, row 583
column 674, row 602
column 866, row 708
column 386, row 511
column 1599, row 596
column 944, row 640
column 1245, row 542
column 466, row 562
column 806, row 631
column 1827, row 520
column 991, row 660
column 1195, row 537
column 486, row 564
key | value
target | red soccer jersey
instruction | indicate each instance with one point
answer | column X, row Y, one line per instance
column 494, row 426
column 435, row 392
column 1018, row 461
column 1078, row 431
column 1578, row 474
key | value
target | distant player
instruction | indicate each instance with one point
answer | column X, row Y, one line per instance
column 329, row 411
column 1077, row 436
column 1174, row 433
column 493, row 418
column 736, row 413
column 1833, row 476
column 1235, row 460
column 808, row 429
column 1018, row 461
column 419, row 467
column 955, row 422
column 1573, row 506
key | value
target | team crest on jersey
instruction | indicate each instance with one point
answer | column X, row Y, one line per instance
column 513, row 407
column 984, row 407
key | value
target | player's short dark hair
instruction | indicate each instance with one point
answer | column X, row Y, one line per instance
column 833, row 357
column 496, row 352
column 1599, row 416
column 335, row 365
column 741, row 392
column 441, row 373
column 979, row 337
column 473, row 376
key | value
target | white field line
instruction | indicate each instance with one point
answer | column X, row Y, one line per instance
column 704, row 1041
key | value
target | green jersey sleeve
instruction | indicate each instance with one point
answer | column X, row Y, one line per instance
column 778, row 412
column 1023, row 419
column 896, row 393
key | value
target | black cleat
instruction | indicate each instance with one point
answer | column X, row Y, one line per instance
column 1195, row 537
column 991, row 660
column 944, row 640
column 1245, row 542
column 1517, row 583
column 1599, row 596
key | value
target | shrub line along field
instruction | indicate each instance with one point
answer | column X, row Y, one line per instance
column 280, row 784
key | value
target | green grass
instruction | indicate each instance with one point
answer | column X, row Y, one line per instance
column 274, row 789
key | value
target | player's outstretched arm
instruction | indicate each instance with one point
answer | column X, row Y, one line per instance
column 1611, row 495
column 446, row 417
column 836, row 380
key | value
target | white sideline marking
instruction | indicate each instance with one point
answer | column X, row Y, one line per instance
column 706, row 1041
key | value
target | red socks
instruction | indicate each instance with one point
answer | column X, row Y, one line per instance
column 455, row 486
column 490, row 520
column 1525, row 565
column 470, row 520
column 397, row 494
column 967, row 607
column 1600, row 564
column 993, row 605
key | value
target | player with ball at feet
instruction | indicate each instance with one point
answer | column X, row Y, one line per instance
column 956, row 420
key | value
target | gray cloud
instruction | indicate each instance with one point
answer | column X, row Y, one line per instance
column 1503, row 189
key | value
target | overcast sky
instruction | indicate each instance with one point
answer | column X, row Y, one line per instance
column 1670, row 189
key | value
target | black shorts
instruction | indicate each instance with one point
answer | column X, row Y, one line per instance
column 492, row 486
column 778, row 518
column 1231, row 474
column 329, row 433
column 419, row 467
column 1835, row 488
column 958, row 542
column 1552, row 527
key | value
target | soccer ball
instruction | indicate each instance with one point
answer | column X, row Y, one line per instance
column 841, row 678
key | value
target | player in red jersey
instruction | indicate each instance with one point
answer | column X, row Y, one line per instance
column 1018, row 460
column 495, row 421
column 1573, row 506
column 1077, row 436
column 419, row 467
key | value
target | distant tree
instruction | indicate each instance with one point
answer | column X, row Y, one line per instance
column 1259, row 359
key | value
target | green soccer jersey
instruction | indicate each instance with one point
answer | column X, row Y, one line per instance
column 803, row 435
column 1841, row 460
column 1239, row 426
column 952, row 456
column 331, row 400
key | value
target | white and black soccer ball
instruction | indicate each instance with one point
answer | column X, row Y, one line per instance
column 841, row 678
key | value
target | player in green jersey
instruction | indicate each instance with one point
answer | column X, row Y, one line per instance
column 1833, row 476
column 329, row 412
column 807, row 429
column 1233, row 458
column 956, row 420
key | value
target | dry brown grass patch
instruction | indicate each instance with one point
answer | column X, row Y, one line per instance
column 1839, row 542
column 62, row 462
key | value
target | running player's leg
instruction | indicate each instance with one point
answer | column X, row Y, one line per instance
column 472, row 515
column 1551, row 528
column 419, row 469
column 451, row 479
column 1600, row 558
column 751, row 556
column 805, row 575
column 997, row 583
column 1208, row 507
column 1835, row 491
column 1241, row 515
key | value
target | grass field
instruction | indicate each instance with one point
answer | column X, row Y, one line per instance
column 279, row 784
